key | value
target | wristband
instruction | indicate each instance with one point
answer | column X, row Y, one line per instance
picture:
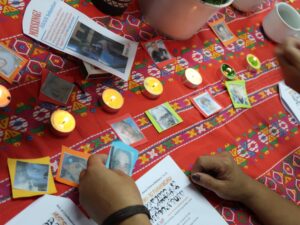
column 125, row 213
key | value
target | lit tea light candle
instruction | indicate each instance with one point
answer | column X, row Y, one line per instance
column 5, row 96
column 153, row 88
column 228, row 71
column 192, row 78
column 62, row 122
column 254, row 63
column 112, row 100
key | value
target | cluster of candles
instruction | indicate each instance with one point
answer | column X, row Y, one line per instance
column 63, row 123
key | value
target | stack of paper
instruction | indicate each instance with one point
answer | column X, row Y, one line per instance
column 51, row 210
column 291, row 100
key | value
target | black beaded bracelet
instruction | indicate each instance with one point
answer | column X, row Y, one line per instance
column 125, row 213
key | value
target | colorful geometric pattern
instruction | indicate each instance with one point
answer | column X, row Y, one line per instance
column 283, row 178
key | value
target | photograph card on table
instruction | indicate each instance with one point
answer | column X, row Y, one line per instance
column 128, row 131
column 55, row 89
column 159, row 52
column 31, row 177
column 163, row 117
column 223, row 32
column 122, row 157
column 206, row 104
column 10, row 63
column 238, row 93
column 70, row 166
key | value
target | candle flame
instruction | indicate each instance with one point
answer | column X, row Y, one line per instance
column 65, row 120
column 113, row 98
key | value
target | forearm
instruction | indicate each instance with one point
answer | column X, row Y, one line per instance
column 140, row 219
column 269, row 207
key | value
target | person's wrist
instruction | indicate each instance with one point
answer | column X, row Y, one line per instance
column 140, row 219
column 250, row 188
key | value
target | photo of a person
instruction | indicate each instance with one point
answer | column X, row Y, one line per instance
column 72, row 167
column 223, row 32
column 8, row 62
column 57, row 88
column 158, row 51
column 31, row 177
column 96, row 46
column 121, row 160
column 207, row 104
column 128, row 131
column 164, row 117
column 239, row 94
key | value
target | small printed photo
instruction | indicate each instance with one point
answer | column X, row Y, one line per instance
column 122, row 157
column 238, row 94
column 223, row 32
column 128, row 131
column 10, row 63
column 57, row 88
column 91, row 44
column 31, row 177
column 206, row 104
column 159, row 52
column 163, row 117
column 70, row 166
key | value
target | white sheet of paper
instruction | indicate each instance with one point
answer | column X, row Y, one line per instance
column 51, row 209
column 172, row 199
column 291, row 99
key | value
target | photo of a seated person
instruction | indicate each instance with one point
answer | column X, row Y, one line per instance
column 93, row 45
column 158, row 51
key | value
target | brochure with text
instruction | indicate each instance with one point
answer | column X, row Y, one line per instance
column 58, row 25
column 173, row 200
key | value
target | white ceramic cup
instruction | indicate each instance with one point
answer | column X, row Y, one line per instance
column 283, row 21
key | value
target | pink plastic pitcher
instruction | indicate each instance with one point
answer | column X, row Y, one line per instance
column 178, row 19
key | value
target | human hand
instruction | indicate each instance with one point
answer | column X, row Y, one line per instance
column 288, row 55
column 102, row 192
column 222, row 175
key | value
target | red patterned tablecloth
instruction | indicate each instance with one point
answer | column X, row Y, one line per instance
column 264, row 140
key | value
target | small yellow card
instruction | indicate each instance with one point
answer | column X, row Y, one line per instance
column 31, row 177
